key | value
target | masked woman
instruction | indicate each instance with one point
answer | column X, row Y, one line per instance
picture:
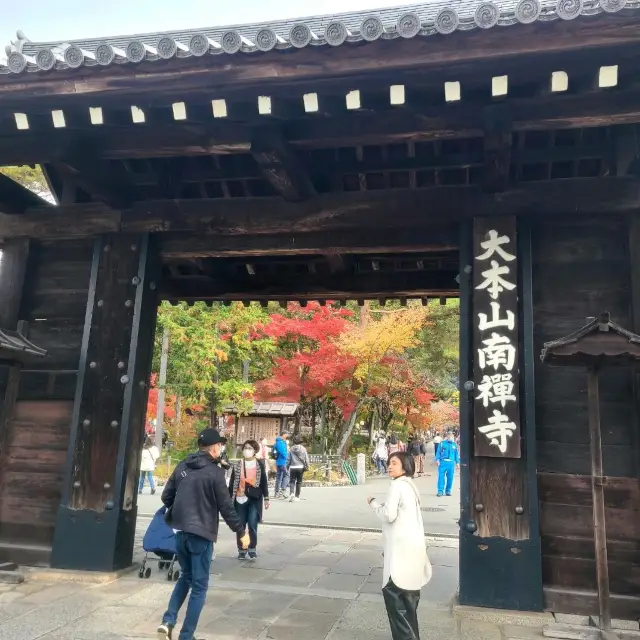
column 406, row 564
column 250, row 493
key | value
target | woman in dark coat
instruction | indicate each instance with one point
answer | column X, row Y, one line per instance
column 250, row 492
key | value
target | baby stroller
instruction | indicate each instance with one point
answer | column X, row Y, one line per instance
column 160, row 539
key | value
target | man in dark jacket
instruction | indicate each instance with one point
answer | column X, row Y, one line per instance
column 195, row 495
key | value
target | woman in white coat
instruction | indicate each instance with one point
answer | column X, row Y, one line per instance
column 406, row 565
column 150, row 455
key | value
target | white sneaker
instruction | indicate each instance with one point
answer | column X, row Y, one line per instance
column 164, row 632
column 296, row 499
column 292, row 499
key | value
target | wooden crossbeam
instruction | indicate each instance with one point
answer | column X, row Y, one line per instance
column 281, row 166
column 14, row 198
column 347, row 241
column 380, row 209
column 103, row 182
column 314, row 286
column 395, row 126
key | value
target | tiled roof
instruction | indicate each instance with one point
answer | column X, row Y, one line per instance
column 270, row 409
column 410, row 21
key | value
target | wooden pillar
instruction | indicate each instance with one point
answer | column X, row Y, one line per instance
column 500, row 556
column 13, row 268
column 95, row 526
column 597, row 492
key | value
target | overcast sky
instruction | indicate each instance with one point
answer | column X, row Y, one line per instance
column 46, row 20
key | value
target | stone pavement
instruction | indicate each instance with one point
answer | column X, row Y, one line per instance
column 347, row 506
column 308, row 584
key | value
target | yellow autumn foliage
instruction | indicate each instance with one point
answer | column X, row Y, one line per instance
column 389, row 336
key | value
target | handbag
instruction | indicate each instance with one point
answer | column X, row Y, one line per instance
column 253, row 493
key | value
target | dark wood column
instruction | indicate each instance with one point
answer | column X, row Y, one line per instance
column 13, row 267
column 500, row 557
column 95, row 526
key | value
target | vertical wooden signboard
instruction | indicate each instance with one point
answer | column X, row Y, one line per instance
column 496, row 405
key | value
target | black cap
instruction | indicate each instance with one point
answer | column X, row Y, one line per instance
column 209, row 437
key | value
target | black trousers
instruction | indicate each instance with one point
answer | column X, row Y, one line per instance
column 402, row 609
column 295, row 481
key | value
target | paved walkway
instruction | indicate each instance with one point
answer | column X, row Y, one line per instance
column 347, row 506
column 308, row 584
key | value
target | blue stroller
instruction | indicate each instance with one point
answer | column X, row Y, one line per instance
column 160, row 539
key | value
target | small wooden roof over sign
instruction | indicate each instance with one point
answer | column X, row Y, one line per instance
column 598, row 342
column 14, row 347
column 271, row 409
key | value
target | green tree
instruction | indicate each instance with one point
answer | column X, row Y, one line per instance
column 30, row 177
column 208, row 347
column 437, row 354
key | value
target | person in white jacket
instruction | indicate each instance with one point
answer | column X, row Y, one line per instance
column 406, row 564
column 150, row 455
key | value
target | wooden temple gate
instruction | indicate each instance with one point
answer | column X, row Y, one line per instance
column 488, row 151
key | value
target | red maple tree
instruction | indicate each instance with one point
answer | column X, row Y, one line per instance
column 312, row 365
column 152, row 401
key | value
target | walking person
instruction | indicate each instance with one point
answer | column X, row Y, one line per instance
column 406, row 564
column 437, row 441
column 150, row 455
column 448, row 460
column 263, row 455
column 281, row 454
column 297, row 464
column 415, row 449
column 395, row 444
column 250, row 492
column 195, row 496
column 381, row 454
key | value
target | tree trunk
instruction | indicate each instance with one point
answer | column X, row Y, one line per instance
column 347, row 430
column 323, row 425
column 313, row 424
column 178, row 412
column 162, row 381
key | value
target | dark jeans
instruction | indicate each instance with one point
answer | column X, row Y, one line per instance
column 382, row 465
column 295, row 482
column 402, row 609
column 249, row 515
column 194, row 556
column 149, row 475
column 282, row 478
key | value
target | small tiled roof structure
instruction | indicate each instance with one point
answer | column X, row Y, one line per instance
column 599, row 340
column 14, row 347
column 430, row 18
column 275, row 409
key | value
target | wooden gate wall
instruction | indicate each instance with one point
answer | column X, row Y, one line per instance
column 185, row 169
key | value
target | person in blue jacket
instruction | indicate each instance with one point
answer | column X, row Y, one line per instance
column 448, row 460
column 281, row 454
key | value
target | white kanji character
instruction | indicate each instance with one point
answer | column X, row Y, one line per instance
column 509, row 322
column 496, row 388
column 494, row 283
column 494, row 245
column 499, row 430
column 498, row 351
